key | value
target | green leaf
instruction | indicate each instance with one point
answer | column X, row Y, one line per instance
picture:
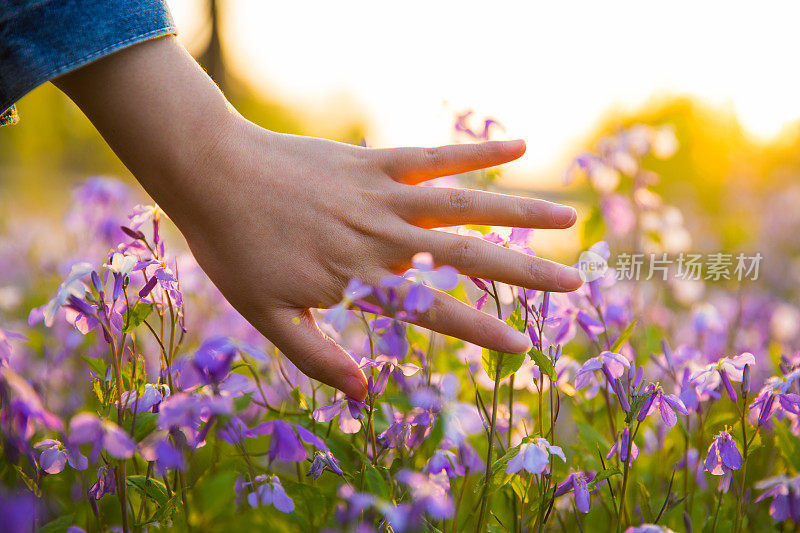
column 518, row 486
column 156, row 491
column 300, row 398
column 591, row 436
column 375, row 482
column 515, row 320
column 603, row 475
column 242, row 402
column 145, row 424
column 644, row 503
column 500, row 365
column 31, row 484
column 594, row 228
column 164, row 513
column 214, row 495
column 57, row 525
column 789, row 445
column 624, row 336
column 312, row 506
column 136, row 315
column 96, row 365
column 498, row 477
column 544, row 363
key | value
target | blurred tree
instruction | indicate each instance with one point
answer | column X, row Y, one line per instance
column 211, row 58
column 54, row 145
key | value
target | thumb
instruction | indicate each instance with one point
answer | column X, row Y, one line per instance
column 316, row 355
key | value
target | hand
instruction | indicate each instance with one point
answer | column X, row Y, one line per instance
column 281, row 223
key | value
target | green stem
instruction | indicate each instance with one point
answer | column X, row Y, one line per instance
column 487, row 477
column 625, row 471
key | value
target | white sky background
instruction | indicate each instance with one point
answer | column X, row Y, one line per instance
column 547, row 70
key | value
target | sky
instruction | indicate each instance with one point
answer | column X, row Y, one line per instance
column 547, row 70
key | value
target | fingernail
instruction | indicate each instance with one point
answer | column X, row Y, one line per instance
column 515, row 146
column 516, row 342
column 564, row 215
column 569, row 278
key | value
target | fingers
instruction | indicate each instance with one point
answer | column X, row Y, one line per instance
column 296, row 334
column 435, row 207
column 478, row 258
column 415, row 165
column 452, row 317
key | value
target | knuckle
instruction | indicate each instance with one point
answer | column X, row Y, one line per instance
column 527, row 209
column 485, row 327
column 534, row 269
column 433, row 157
column 459, row 201
column 482, row 150
column 464, row 252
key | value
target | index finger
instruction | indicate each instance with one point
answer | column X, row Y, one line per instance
column 415, row 165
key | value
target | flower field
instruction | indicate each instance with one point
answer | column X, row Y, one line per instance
column 134, row 398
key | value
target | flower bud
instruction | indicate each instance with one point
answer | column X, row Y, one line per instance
column 687, row 522
column 544, row 307
column 746, row 380
column 667, row 352
column 623, row 398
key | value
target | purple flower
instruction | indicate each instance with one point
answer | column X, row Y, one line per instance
column 444, row 461
column 589, row 324
column 429, row 492
column 347, row 409
column 285, row 442
column 189, row 410
column 71, row 286
column 419, row 297
column 55, row 456
column 168, row 457
column 649, row 528
column 213, row 359
column 88, row 428
column 724, row 371
column 22, row 406
column 775, row 397
column 469, row 458
column 723, row 458
column 18, row 510
column 534, row 457
column 620, row 448
column 5, row 343
column 269, row 491
column 338, row 314
column 324, row 460
column 691, row 462
column 121, row 264
column 163, row 276
column 577, row 482
column 152, row 396
column 105, row 484
column 355, row 503
column 386, row 365
column 613, row 363
column 391, row 337
column 785, row 494
column 666, row 404
column 461, row 126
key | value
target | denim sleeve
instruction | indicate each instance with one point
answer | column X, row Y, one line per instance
column 43, row 39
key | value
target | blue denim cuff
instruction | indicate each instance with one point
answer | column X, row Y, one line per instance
column 43, row 39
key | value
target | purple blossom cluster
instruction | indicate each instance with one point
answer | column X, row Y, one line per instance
column 133, row 397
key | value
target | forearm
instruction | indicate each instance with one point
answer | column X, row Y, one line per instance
column 159, row 112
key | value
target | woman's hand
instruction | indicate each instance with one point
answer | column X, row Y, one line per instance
column 281, row 223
